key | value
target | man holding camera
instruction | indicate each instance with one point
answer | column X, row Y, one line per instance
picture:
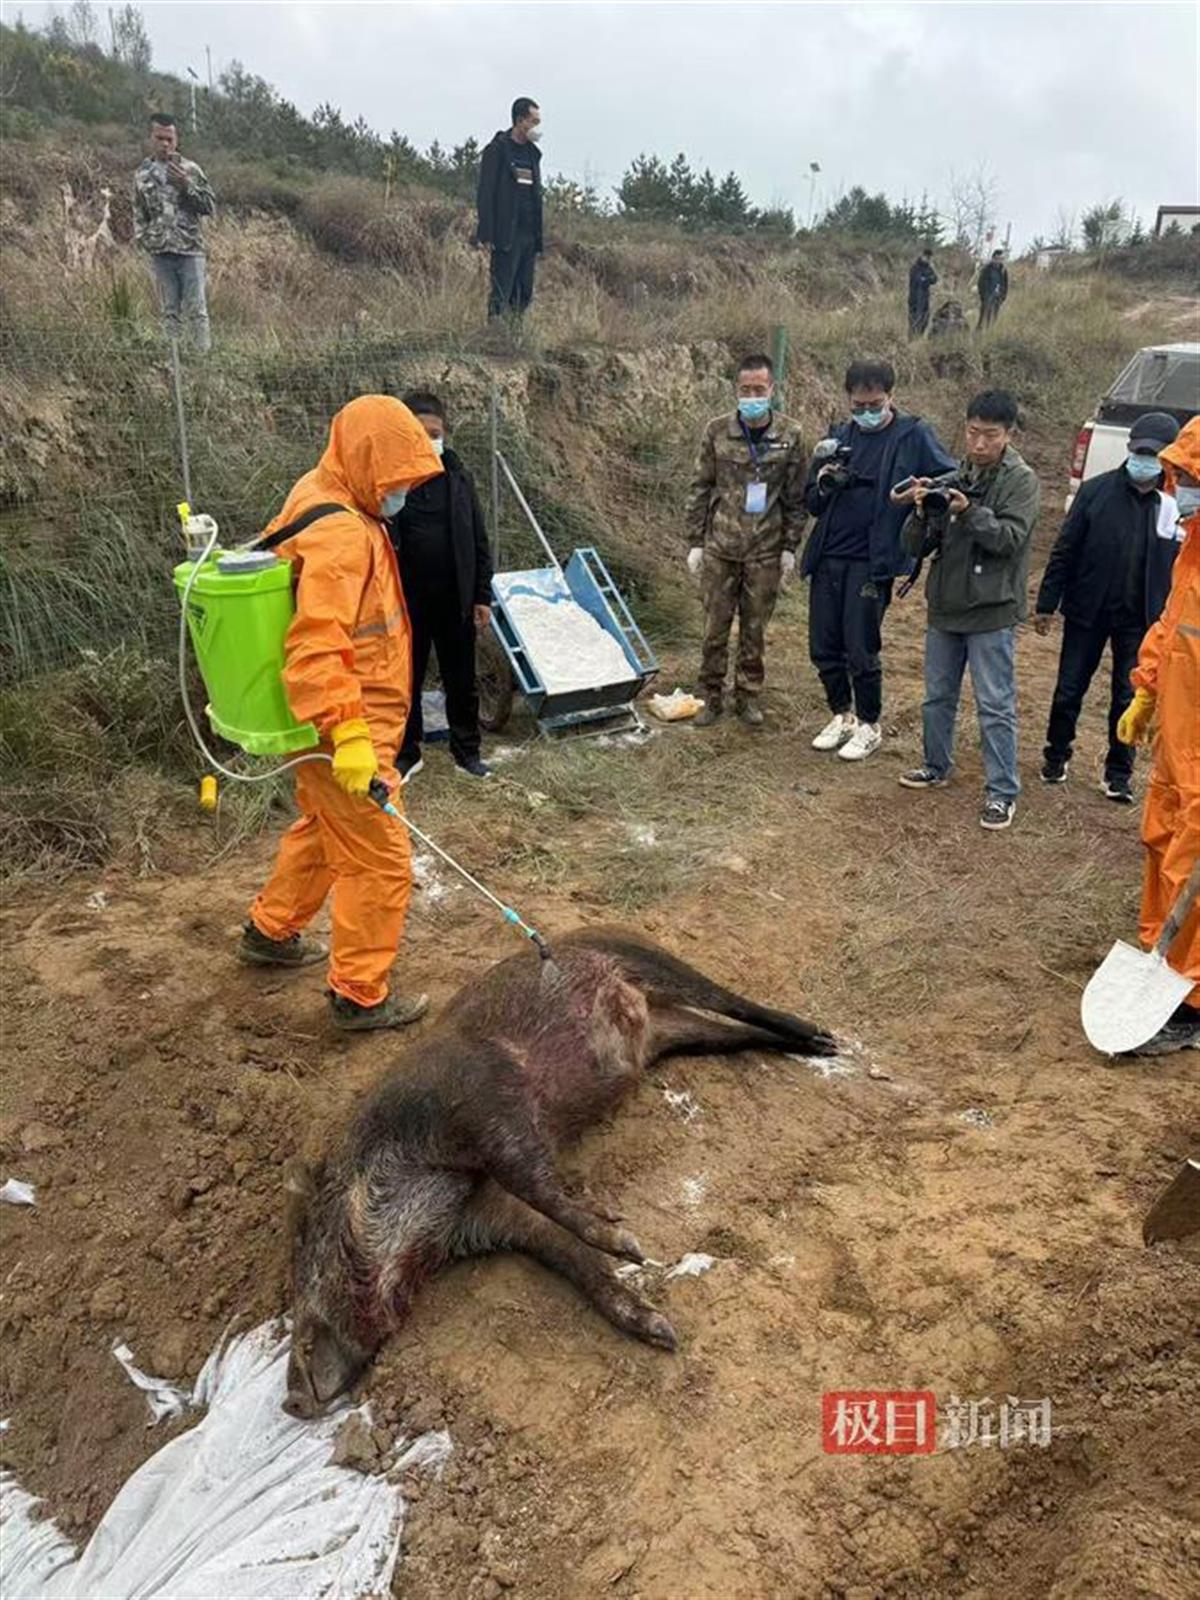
column 171, row 196
column 854, row 553
column 975, row 529
column 745, row 515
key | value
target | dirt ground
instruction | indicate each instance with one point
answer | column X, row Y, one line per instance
column 957, row 1208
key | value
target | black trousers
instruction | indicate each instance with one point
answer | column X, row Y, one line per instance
column 512, row 277
column 844, row 637
column 1082, row 649
column 918, row 317
column 989, row 309
column 437, row 623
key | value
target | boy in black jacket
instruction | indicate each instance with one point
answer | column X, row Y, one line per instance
column 509, row 204
column 1109, row 574
column 441, row 545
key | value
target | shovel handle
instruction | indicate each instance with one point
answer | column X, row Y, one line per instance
column 1178, row 913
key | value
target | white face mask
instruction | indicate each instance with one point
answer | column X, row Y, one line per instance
column 394, row 502
column 535, row 134
column 439, row 446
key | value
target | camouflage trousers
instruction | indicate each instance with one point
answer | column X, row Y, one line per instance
column 746, row 590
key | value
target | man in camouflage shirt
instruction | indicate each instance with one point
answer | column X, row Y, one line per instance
column 745, row 515
column 170, row 195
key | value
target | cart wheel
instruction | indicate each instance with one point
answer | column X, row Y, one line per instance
column 496, row 683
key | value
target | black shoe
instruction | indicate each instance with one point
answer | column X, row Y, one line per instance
column 1173, row 1036
column 1054, row 770
column 397, row 1011
column 1118, row 789
column 409, row 766
column 923, row 778
column 709, row 713
column 256, row 950
column 750, row 714
column 473, row 767
column 997, row 814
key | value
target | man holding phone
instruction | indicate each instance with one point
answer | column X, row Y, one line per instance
column 170, row 196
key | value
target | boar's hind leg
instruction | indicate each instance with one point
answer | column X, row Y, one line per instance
column 668, row 981
column 678, row 1031
column 499, row 1221
column 517, row 1157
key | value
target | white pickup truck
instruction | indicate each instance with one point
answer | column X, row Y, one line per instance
column 1162, row 377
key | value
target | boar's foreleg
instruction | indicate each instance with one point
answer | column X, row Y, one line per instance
column 495, row 1220
column 510, row 1149
column 678, row 1031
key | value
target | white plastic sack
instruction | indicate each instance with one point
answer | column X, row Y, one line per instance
column 243, row 1507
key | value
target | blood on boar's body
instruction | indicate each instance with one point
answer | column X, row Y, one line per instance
column 453, row 1152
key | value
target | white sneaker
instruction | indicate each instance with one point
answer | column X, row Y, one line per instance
column 834, row 734
column 863, row 742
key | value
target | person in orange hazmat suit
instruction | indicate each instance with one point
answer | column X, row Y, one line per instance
column 348, row 670
column 1166, row 706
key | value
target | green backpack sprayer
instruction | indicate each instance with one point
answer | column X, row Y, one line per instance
column 237, row 606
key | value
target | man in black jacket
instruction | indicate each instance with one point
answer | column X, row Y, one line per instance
column 441, row 544
column 509, row 203
column 1109, row 574
column 921, row 279
column 993, row 288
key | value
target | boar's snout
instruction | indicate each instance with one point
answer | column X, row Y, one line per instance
column 323, row 1365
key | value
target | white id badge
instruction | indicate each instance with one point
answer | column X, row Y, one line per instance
column 756, row 499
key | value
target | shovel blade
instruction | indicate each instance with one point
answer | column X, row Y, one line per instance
column 1131, row 995
column 1176, row 1212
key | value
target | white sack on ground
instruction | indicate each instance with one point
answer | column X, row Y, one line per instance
column 243, row 1507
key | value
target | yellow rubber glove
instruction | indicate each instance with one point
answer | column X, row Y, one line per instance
column 1134, row 726
column 354, row 760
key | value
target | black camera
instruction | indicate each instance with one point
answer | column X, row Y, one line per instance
column 829, row 454
column 936, row 504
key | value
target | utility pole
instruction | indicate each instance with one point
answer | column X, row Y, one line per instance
column 208, row 57
column 195, row 80
column 814, row 172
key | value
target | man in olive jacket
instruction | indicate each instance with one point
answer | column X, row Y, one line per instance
column 744, row 517
column 978, row 550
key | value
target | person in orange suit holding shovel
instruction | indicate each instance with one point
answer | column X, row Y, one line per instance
column 1166, row 707
column 348, row 670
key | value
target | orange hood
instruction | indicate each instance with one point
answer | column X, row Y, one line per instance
column 376, row 445
column 1185, row 453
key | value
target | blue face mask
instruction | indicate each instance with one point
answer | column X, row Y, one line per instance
column 1188, row 501
column 1143, row 469
column 870, row 420
column 394, row 502
column 752, row 408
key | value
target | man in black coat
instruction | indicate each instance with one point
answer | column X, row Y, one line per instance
column 441, row 544
column 509, row 203
column 1109, row 574
column 993, row 288
column 921, row 279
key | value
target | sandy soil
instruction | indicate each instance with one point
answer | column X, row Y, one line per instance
column 957, row 1210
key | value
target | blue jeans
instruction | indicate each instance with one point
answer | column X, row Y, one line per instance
column 990, row 656
column 180, row 281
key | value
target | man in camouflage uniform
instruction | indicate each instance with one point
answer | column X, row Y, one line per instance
column 170, row 195
column 745, row 515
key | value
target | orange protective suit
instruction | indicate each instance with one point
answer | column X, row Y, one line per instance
column 1169, row 669
column 348, row 656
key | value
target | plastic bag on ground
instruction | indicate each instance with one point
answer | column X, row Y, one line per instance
column 245, row 1506
column 674, row 707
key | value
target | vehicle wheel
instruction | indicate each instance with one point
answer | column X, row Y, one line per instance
column 496, row 683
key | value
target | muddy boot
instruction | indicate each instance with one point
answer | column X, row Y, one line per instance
column 256, row 950
column 750, row 713
column 397, row 1011
column 709, row 712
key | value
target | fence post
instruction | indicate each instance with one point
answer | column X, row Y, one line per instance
column 779, row 355
column 494, row 411
column 177, row 379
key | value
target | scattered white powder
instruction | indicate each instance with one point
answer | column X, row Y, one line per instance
column 568, row 647
column 693, row 1190
column 691, row 1266
column 680, row 1100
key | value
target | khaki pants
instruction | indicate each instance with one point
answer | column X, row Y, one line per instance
column 746, row 590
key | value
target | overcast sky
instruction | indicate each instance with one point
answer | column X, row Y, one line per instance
column 1065, row 104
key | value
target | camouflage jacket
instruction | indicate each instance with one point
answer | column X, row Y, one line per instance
column 166, row 220
column 716, row 507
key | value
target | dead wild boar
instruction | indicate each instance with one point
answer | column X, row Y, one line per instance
column 452, row 1153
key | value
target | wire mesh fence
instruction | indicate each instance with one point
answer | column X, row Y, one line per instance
column 103, row 435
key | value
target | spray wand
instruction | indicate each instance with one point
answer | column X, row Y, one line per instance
column 379, row 793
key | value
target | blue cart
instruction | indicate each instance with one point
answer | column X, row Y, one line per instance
column 585, row 581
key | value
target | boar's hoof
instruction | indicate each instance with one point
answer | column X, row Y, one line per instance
column 624, row 1244
column 657, row 1330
